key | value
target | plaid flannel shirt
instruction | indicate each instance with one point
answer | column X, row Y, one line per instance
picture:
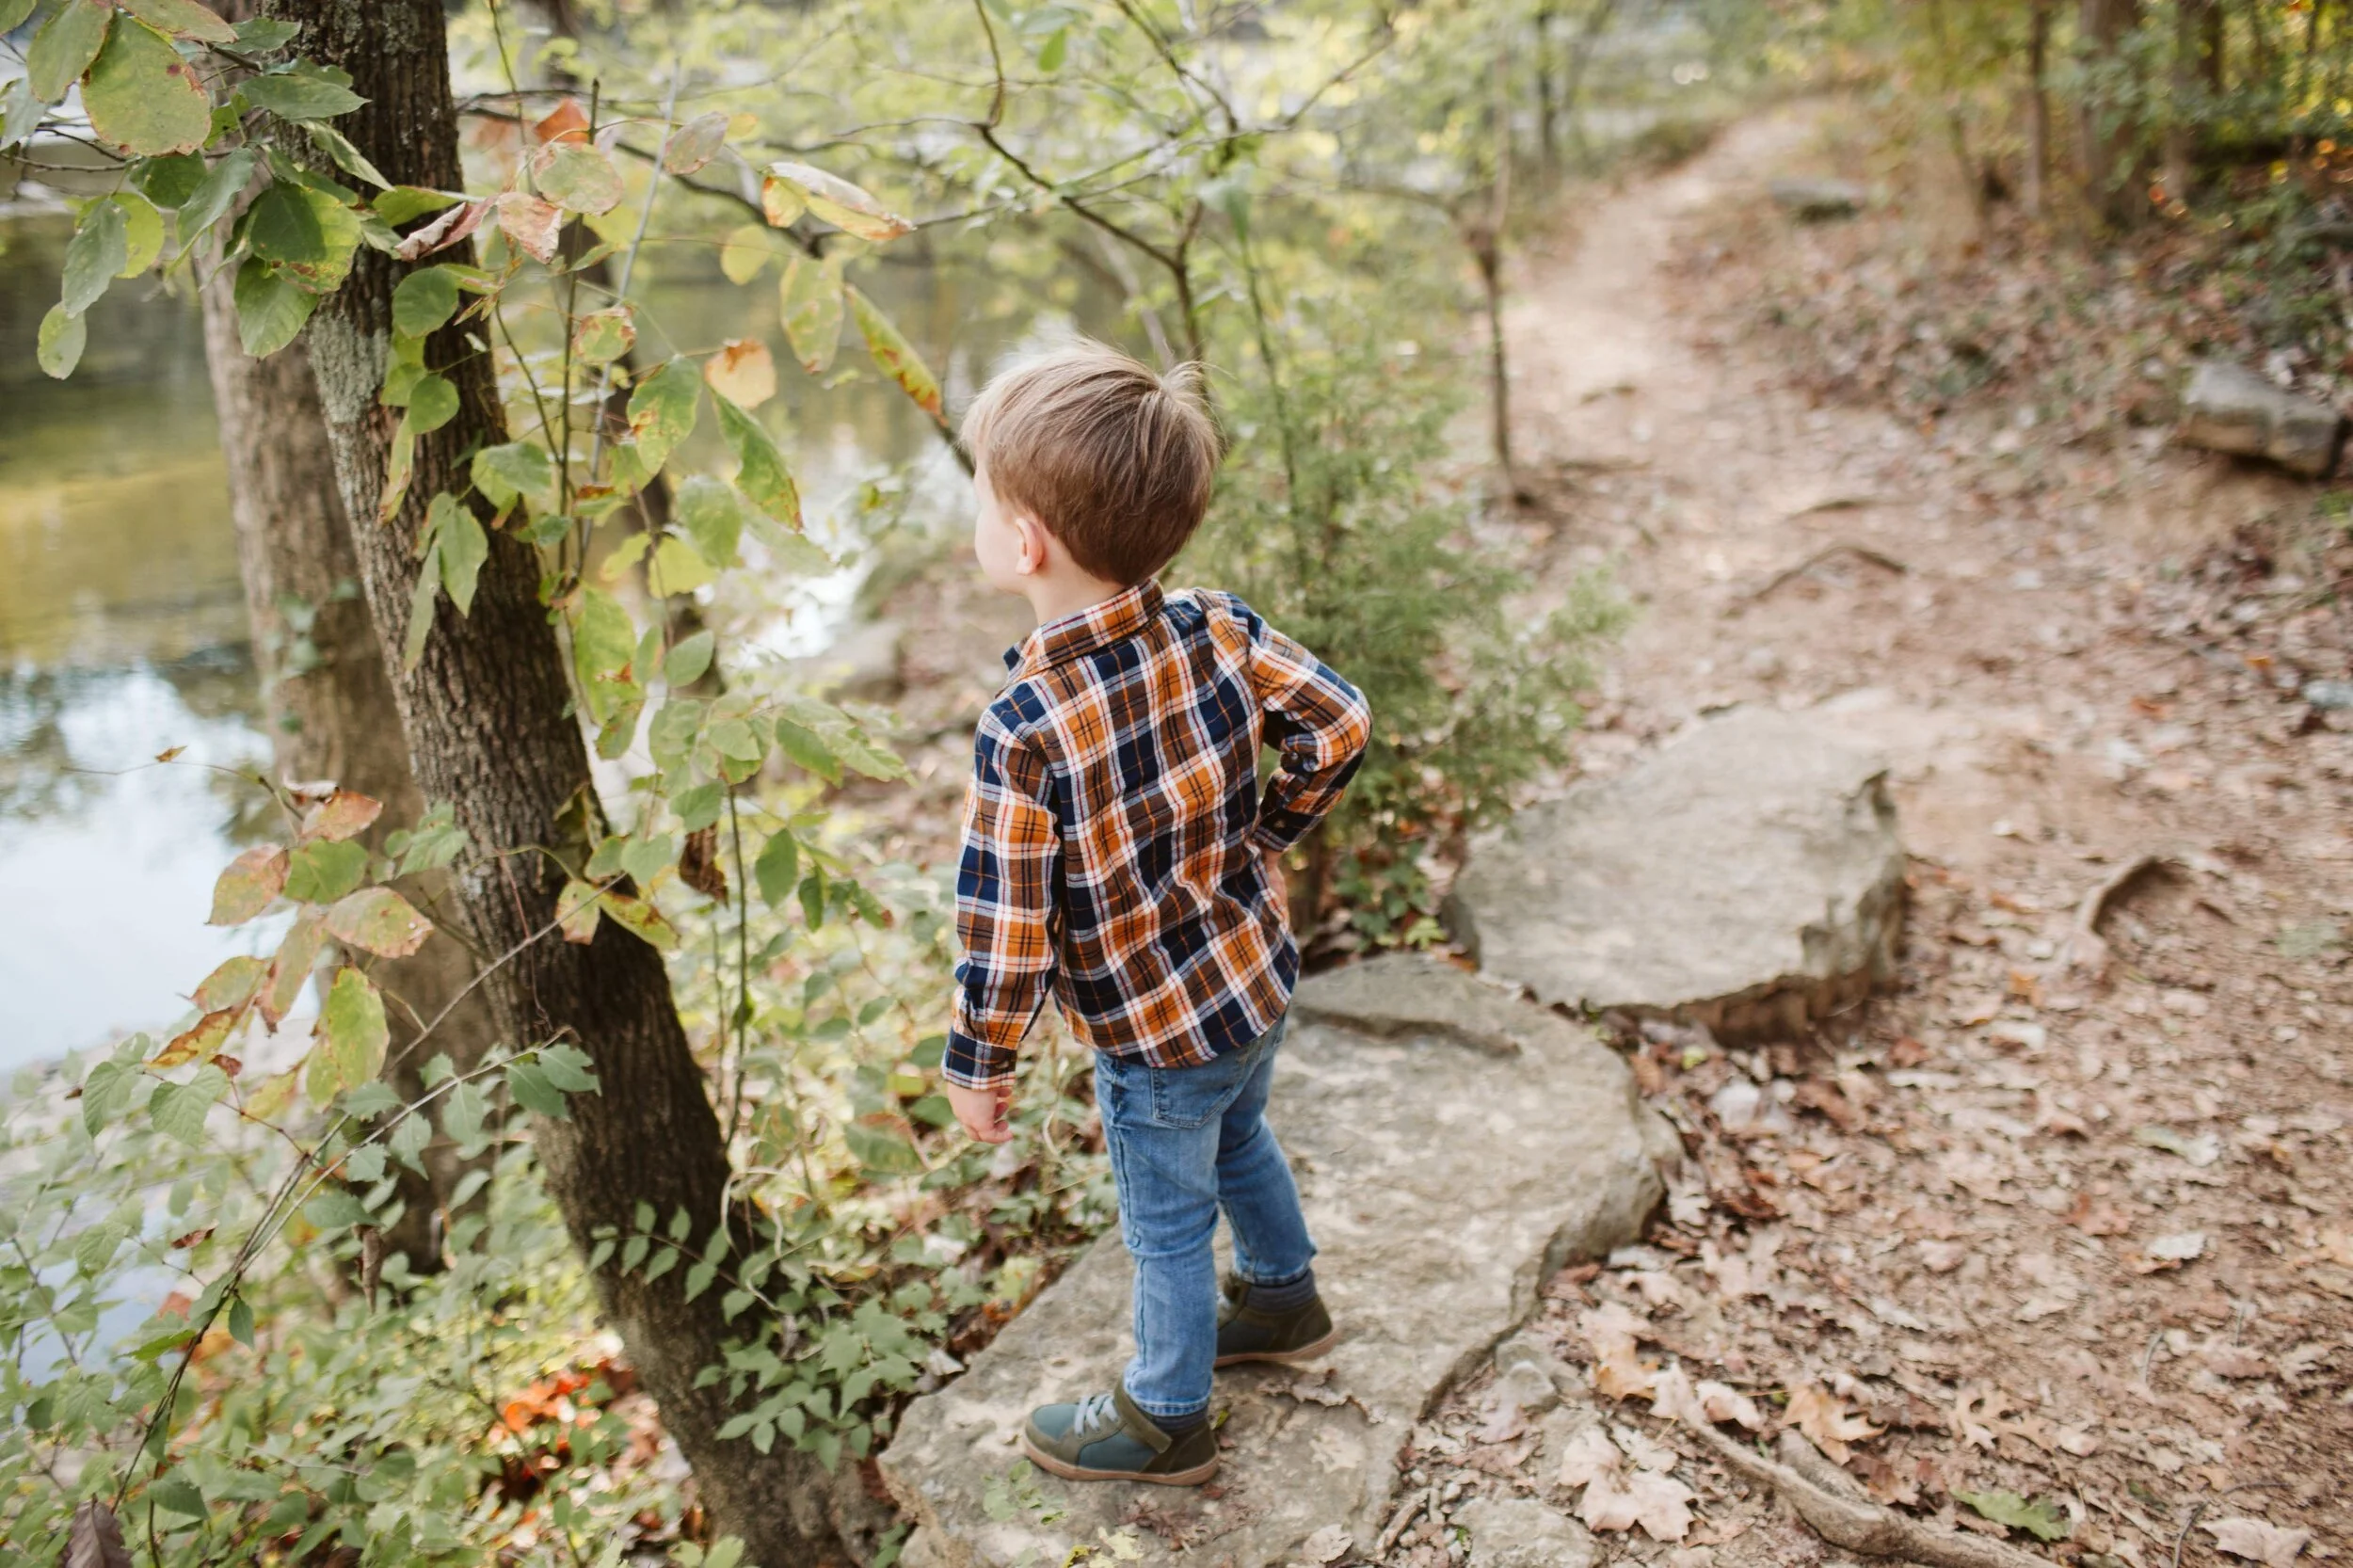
column 1112, row 833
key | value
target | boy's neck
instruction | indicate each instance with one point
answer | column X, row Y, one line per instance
column 1053, row 597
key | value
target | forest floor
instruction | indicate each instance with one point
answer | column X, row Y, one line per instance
column 2079, row 1233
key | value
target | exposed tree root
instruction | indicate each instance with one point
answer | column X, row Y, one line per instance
column 1826, row 1498
column 2084, row 948
column 1843, row 547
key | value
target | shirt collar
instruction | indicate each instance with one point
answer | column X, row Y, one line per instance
column 1098, row 626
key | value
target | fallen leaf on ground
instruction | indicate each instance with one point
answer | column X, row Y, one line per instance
column 1328, row 1544
column 1611, row 1332
column 1589, row 1456
column 2041, row 1520
column 1660, row 1504
column 1824, row 1419
column 2258, row 1541
column 1677, row 1397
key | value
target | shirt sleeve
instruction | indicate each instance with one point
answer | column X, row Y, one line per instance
column 1320, row 725
column 1006, row 878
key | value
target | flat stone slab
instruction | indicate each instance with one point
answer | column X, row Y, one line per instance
column 1444, row 1181
column 1747, row 876
column 2228, row 408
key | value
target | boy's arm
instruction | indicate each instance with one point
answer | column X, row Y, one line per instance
column 1004, row 900
column 1318, row 721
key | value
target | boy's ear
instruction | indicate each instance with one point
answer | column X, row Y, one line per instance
column 1035, row 542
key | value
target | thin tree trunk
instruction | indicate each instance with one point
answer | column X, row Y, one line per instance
column 1547, row 132
column 1487, row 244
column 2037, row 106
column 490, row 727
column 327, row 703
column 2109, row 179
column 2191, row 30
column 1956, row 123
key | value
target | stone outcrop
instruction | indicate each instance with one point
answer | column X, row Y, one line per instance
column 1447, row 1170
column 1747, row 876
column 2231, row 409
column 1813, row 201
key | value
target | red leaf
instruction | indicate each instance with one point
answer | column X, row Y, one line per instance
column 455, row 224
column 531, row 223
column 567, row 121
column 341, row 816
column 252, row 880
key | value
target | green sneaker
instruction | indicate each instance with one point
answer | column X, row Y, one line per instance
column 1105, row 1437
column 1246, row 1332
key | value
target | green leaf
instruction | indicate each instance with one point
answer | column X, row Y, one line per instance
column 744, row 251
column 432, row 403
column 182, row 19
column 569, row 1069
column 699, row 806
column 94, row 255
column 762, row 474
column 171, row 180
column 881, row 1147
column 778, row 869
column 347, row 1043
column 378, row 920
column 266, row 34
column 640, row 918
column 2038, row 1519
column 534, row 1092
column 686, row 663
column 809, row 297
column 143, row 234
column 347, row 157
column 605, row 336
column 241, row 1322
column 463, row 544
column 707, row 508
column 423, row 595
column 407, row 203
column 271, row 310
column 676, row 567
column 578, row 177
column 304, row 92
column 423, row 300
column 178, row 1108
column 400, row 466
column 215, row 195
column 59, row 343
column 13, row 12
column 604, row 639
column 661, row 412
column 897, row 358
column 803, row 747
column 1051, row 57
column 142, row 97
column 176, row 1493
column 64, row 48
column 645, row 855
column 231, row 984
column 334, row 1209
column 787, row 186
column 304, row 231
column 513, row 469
column 696, row 143
column 322, row 873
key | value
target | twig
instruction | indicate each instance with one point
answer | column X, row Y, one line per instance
column 1842, row 547
column 1828, row 1500
column 2084, row 948
column 1407, row 1512
column 2181, row 1541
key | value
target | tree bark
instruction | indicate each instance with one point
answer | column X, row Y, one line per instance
column 2192, row 32
column 326, row 701
column 2109, row 177
column 329, row 707
column 2037, row 106
column 489, row 727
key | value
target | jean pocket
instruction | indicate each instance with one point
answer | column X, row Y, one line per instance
column 1190, row 1098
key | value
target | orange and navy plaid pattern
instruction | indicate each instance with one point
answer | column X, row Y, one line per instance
column 1112, row 834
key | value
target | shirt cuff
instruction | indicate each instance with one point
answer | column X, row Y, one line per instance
column 1278, row 829
column 972, row 1062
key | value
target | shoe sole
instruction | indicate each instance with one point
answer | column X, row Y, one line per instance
column 1282, row 1358
column 1067, row 1471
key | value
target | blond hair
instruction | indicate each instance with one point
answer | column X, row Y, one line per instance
column 1113, row 460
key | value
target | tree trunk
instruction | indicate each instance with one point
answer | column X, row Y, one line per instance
column 327, row 702
column 1547, row 130
column 2109, row 177
column 1487, row 246
column 2191, row 31
column 2037, row 106
column 489, row 727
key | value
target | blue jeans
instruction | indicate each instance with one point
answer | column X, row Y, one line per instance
column 1186, row 1142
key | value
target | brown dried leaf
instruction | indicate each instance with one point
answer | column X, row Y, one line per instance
column 1824, row 1419
column 95, row 1539
column 742, row 372
column 2259, row 1541
column 344, row 814
column 1660, row 1504
column 531, row 223
column 249, row 884
column 378, row 920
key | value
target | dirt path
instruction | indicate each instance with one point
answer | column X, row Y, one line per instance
column 2077, row 1237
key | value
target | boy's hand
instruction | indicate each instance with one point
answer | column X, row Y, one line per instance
column 983, row 1111
column 1270, row 863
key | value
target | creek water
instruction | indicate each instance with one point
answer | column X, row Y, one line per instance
column 123, row 628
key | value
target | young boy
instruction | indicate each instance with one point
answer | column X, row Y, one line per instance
column 1119, row 857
